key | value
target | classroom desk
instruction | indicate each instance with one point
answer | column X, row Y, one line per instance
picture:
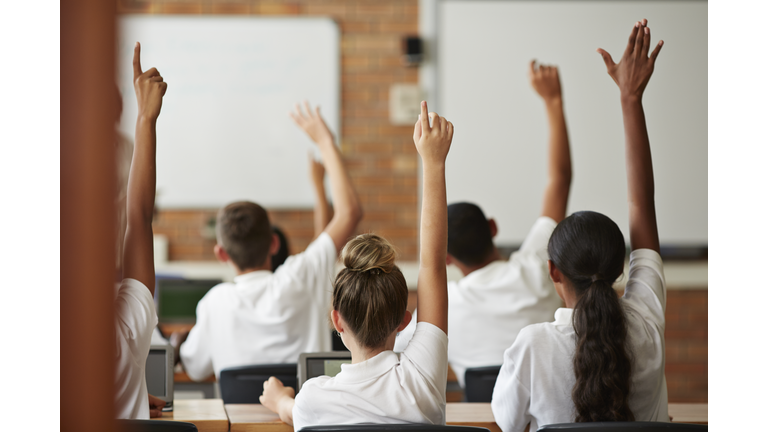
column 257, row 418
column 207, row 414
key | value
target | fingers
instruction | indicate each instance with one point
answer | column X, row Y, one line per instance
column 639, row 39
column 450, row 131
column 532, row 68
column 606, row 58
column 417, row 130
column 136, row 61
column 163, row 87
column 433, row 119
column 305, row 104
column 424, row 117
column 656, row 51
column 646, row 42
column 632, row 40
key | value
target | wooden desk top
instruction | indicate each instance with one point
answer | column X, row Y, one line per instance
column 207, row 414
column 254, row 417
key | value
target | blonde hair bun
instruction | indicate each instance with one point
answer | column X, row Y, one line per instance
column 369, row 252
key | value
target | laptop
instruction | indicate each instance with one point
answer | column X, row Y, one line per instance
column 159, row 373
column 177, row 298
column 321, row 363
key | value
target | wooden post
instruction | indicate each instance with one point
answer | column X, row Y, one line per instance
column 88, row 112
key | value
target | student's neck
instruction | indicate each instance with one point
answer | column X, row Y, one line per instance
column 467, row 269
column 266, row 266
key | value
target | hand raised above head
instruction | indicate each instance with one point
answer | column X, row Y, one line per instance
column 634, row 70
column 545, row 80
column 312, row 123
column 432, row 142
column 149, row 86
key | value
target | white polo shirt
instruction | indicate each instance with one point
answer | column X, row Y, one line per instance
column 265, row 317
column 537, row 377
column 135, row 320
column 488, row 307
column 388, row 388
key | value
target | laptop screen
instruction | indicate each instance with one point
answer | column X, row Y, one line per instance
column 177, row 298
column 156, row 370
column 313, row 365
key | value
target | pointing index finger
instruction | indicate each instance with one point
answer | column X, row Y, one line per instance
column 424, row 117
column 136, row 60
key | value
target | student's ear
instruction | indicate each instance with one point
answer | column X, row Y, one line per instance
column 274, row 247
column 493, row 227
column 554, row 273
column 220, row 253
column 336, row 320
column 406, row 320
column 449, row 259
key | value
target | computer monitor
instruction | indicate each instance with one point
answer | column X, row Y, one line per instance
column 177, row 298
column 159, row 373
column 323, row 363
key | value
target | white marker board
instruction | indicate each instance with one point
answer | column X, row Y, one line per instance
column 224, row 133
column 498, row 157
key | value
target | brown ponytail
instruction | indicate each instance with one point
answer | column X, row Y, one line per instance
column 370, row 293
column 588, row 249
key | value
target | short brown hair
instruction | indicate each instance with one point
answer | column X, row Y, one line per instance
column 243, row 230
column 370, row 293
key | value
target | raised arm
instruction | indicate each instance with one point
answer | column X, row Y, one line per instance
column 433, row 143
column 322, row 214
column 546, row 81
column 347, row 209
column 138, row 260
column 631, row 74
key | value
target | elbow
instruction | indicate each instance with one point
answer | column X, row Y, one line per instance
column 355, row 214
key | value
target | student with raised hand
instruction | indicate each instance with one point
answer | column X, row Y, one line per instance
column 496, row 298
column 265, row 317
column 135, row 315
column 602, row 359
column 370, row 296
column 322, row 214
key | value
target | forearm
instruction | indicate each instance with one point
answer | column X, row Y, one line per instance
column 345, row 200
column 642, row 209
column 140, row 201
column 322, row 210
column 432, row 295
column 285, row 409
column 559, row 162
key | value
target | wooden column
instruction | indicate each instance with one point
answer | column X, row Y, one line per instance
column 88, row 111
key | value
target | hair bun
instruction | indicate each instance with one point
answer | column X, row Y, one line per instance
column 369, row 252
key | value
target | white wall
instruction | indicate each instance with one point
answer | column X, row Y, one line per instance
column 498, row 157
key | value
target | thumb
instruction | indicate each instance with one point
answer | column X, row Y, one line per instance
column 606, row 58
column 136, row 60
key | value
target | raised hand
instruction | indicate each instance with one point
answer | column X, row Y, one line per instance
column 149, row 86
column 312, row 123
column 634, row 70
column 432, row 142
column 545, row 80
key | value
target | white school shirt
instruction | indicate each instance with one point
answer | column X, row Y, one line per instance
column 488, row 307
column 389, row 388
column 264, row 317
column 135, row 320
column 536, row 380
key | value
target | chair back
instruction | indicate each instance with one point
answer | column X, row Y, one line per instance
column 245, row 384
column 407, row 427
column 639, row 426
column 479, row 382
column 124, row 425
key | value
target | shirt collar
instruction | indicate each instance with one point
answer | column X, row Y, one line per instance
column 563, row 317
column 252, row 276
column 373, row 367
column 483, row 271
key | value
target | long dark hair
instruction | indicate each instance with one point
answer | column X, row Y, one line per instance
column 588, row 249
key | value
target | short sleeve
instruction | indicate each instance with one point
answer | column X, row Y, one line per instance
column 511, row 400
column 538, row 238
column 195, row 352
column 302, row 413
column 135, row 314
column 646, row 287
column 313, row 266
column 428, row 351
column 405, row 336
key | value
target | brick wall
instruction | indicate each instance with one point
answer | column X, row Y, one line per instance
column 380, row 157
column 687, row 347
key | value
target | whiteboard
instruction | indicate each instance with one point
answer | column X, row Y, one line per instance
column 224, row 133
column 498, row 156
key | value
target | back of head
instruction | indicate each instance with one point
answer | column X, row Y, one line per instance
column 282, row 254
column 469, row 235
column 588, row 249
column 243, row 230
column 370, row 293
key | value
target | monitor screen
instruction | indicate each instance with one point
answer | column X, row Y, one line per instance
column 177, row 298
column 329, row 367
column 156, row 370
